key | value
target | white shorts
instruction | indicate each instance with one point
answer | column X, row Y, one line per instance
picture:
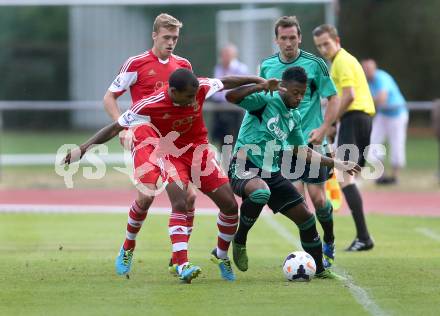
column 391, row 129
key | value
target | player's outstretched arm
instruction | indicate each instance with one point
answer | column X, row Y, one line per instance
column 102, row 136
column 348, row 166
column 237, row 95
column 232, row 82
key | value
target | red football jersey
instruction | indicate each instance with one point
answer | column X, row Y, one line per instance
column 146, row 73
column 165, row 116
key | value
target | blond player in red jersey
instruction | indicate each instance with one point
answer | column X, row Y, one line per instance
column 176, row 112
column 142, row 75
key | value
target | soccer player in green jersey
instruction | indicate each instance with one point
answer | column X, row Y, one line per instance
column 273, row 124
column 314, row 125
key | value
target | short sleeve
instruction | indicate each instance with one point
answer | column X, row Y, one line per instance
column 253, row 102
column 345, row 74
column 131, row 119
column 127, row 77
column 123, row 81
column 211, row 86
column 326, row 86
column 381, row 82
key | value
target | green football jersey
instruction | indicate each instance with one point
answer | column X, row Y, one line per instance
column 268, row 127
column 319, row 84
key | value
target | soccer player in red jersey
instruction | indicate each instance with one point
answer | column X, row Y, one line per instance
column 142, row 75
column 177, row 108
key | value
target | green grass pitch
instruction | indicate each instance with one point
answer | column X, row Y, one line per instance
column 62, row 264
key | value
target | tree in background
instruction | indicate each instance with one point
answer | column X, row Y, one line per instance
column 402, row 35
column 34, row 61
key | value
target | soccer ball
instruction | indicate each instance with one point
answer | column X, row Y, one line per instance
column 299, row 266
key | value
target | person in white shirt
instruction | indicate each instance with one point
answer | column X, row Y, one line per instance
column 227, row 123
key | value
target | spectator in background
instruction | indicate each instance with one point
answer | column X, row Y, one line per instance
column 227, row 122
column 391, row 120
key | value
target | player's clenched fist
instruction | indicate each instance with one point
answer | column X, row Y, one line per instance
column 271, row 85
column 73, row 155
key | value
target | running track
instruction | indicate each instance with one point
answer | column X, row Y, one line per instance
column 395, row 203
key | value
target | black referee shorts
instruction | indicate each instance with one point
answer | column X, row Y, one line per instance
column 354, row 129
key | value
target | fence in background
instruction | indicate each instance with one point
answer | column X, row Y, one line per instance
column 97, row 107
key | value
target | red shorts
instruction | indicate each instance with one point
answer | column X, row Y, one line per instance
column 145, row 171
column 146, row 165
column 198, row 166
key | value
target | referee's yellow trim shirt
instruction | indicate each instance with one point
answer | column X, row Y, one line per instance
column 346, row 71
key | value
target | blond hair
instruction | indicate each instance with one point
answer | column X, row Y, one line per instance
column 326, row 28
column 167, row 21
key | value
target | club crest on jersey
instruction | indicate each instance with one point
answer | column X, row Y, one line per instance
column 272, row 126
column 158, row 85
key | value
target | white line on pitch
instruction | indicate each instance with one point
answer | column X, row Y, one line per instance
column 360, row 295
column 428, row 233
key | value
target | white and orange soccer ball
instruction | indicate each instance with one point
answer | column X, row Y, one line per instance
column 299, row 266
